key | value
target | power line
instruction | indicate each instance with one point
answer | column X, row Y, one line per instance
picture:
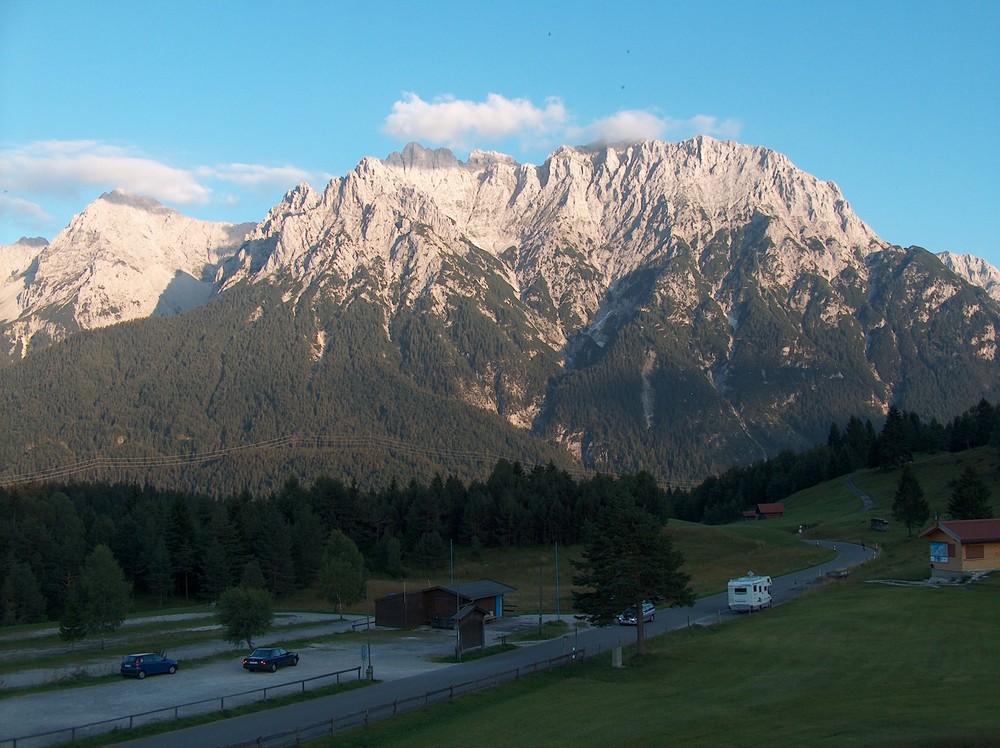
column 321, row 442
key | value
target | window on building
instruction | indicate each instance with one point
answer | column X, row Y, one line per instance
column 975, row 551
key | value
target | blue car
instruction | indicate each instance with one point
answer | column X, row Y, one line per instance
column 147, row 663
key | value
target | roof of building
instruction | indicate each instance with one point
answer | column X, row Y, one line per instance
column 478, row 590
column 771, row 508
column 968, row 530
column 468, row 609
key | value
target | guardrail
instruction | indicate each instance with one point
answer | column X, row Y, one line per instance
column 134, row 720
column 392, row 708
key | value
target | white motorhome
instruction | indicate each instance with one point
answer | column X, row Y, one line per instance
column 749, row 593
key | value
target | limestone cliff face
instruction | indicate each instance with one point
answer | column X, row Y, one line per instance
column 123, row 258
column 575, row 226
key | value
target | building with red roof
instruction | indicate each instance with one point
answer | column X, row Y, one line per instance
column 963, row 546
column 770, row 511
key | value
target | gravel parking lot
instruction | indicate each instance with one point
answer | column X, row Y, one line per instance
column 399, row 654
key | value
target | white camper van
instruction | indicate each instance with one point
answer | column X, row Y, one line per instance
column 749, row 593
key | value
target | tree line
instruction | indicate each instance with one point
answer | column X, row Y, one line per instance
column 172, row 544
column 856, row 445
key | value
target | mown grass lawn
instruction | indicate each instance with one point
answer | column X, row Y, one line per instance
column 856, row 664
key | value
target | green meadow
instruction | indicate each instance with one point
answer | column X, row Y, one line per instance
column 858, row 662
column 855, row 664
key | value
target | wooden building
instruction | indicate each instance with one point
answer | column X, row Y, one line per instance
column 471, row 622
column 963, row 546
column 770, row 511
column 440, row 605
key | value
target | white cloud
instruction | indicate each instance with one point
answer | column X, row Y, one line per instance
column 11, row 206
column 704, row 124
column 72, row 167
column 455, row 122
column 465, row 124
column 255, row 176
column 45, row 182
column 626, row 127
column 632, row 126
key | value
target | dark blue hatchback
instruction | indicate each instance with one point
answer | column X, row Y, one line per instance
column 147, row 663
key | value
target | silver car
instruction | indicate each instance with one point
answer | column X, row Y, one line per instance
column 628, row 617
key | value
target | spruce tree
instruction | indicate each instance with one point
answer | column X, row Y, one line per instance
column 909, row 506
column 73, row 622
column 970, row 498
column 628, row 559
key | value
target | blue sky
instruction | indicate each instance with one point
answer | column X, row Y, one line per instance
column 218, row 108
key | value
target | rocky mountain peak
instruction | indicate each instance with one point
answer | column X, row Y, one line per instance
column 123, row 257
column 139, row 202
column 975, row 270
column 415, row 156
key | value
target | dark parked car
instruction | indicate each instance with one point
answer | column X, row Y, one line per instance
column 270, row 658
column 147, row 663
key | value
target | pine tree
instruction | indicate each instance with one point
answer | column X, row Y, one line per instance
column 73, row 622
column 159, row 571
column 106, row 592
column 21, row 599
column 628, row 559
column 909, row 506
column 893, row 449
column 970, row 498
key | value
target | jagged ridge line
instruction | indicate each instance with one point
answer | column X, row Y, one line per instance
column 322, row 441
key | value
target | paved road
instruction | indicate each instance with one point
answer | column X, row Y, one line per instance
column 705, row 611
column 867, row 503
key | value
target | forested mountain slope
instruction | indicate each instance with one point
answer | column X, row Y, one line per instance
column 672, row 307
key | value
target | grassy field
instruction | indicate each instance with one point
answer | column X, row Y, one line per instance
column 855, row 664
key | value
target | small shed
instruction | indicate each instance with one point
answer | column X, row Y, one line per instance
column 962, row 546
column 770, row 511
column 471, row 622
column 880, row 525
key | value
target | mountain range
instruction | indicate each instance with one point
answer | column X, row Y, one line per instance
column 677, row 308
